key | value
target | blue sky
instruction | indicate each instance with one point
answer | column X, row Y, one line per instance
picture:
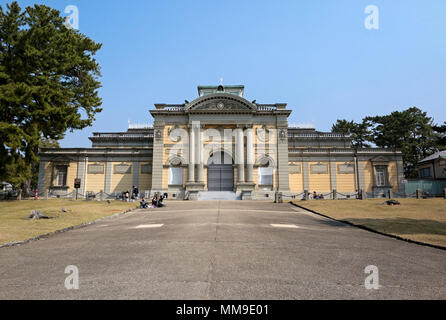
column 315, row 55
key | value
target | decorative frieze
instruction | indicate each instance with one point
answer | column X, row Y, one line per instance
column 295, row 168
column 346, row 168
column 319, row 168
column 96, row 168
column 122, row 168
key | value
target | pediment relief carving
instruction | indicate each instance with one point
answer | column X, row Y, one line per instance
column 221, row 106
column 380, row 159
column 221, row 102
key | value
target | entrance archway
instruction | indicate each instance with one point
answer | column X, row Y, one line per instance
column 220, row 175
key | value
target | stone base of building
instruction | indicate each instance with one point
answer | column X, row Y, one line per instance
column 193, row 189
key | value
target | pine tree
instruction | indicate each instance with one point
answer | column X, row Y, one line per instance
column 48, row 85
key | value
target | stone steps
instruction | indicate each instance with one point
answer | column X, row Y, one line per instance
column 218, row 195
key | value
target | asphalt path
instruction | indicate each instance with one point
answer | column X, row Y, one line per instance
column 221, row 250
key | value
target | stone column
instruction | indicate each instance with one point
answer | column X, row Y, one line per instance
column 41, row 183
column 400, row 172
column 81, row 172
column 157, row 160
column 333, row 180
column 199, row 153
column 191, row 165
column 306, row 174
column 360, row 174
column 135, row 173
column 108, row 176
column 240, row 156
column 282, row 158
column 249, row 155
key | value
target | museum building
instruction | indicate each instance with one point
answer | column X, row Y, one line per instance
column 221, row 146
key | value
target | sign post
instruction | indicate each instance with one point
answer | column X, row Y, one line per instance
column 77, row 185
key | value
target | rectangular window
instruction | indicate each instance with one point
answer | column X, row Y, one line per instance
column 425, row 173
column 60, row 176
column 381, row 177
column 175, row 176
column 265, row 176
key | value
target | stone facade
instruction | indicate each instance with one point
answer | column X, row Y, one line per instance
column 221, row 142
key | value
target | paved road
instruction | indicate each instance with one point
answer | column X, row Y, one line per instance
column 221, row 250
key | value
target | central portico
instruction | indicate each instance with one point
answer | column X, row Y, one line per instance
column 220, row 142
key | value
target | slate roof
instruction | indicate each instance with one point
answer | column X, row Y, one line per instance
column 437, row 155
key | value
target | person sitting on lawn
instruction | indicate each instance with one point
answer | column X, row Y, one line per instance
column 143, row 203
column 155, row 201
column 160, row 202
column 315, row 196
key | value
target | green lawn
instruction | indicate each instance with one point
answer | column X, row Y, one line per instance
column 15, row 227
column 421, row 220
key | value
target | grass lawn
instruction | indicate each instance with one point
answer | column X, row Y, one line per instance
column 15, row 227
column 421, row 220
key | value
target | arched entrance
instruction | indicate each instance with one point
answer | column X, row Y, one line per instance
column 220, row 175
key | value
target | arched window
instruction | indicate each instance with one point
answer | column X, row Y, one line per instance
column 266, row 171
column 176, row 176
column 266, row 175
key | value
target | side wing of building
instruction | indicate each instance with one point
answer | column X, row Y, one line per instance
column 115, row 163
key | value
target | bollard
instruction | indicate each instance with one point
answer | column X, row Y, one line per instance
column 335, row 196
column 444, row 193
column 418, row 194
column 101, row 195
column 278, row 197
column 389, row 194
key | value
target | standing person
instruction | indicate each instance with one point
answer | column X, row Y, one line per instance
column 135, row 192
